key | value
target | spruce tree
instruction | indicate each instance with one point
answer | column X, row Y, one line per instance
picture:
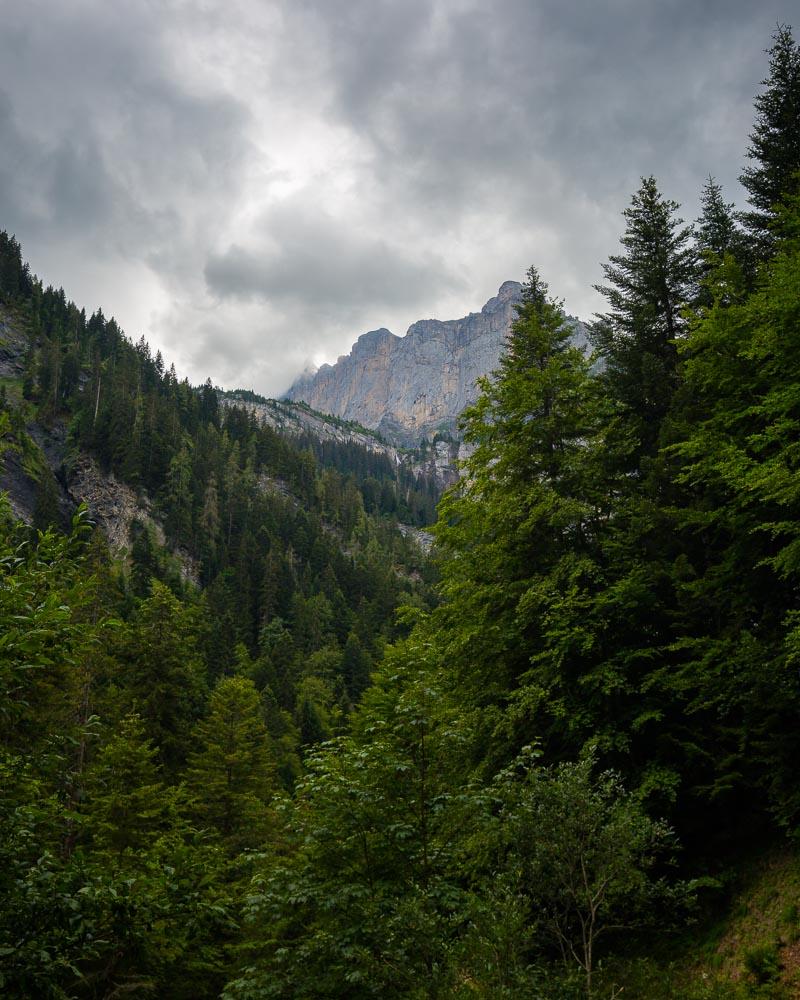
column 774, row 149
column 719, row 240
column 162, row 674
column 647, row 284
column 518, row 524
column 127, row 805
column 231, row 769
column 738, row 582
column 715, row 230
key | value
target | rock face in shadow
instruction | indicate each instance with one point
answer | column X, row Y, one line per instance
column 412, row 387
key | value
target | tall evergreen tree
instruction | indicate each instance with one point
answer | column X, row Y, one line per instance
column 127, row 805
column 716, row 228
column 739, row 580
column 718, row 237
column 647, row 284
column 515, row 531
column 163, row 677
column 775, row 140
column 231, row 768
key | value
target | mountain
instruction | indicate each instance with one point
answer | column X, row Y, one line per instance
column 412, row 387
column 433, row 466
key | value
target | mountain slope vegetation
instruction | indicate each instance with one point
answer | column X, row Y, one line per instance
column 572, row 774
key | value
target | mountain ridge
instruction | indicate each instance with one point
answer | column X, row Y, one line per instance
column 412, row 387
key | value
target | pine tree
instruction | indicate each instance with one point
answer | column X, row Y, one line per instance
column 517, row 526
column 775, row 140
column 647, row 286
column 231, row 771
column 127, row 805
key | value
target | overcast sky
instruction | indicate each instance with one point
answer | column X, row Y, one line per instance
column 252, row 184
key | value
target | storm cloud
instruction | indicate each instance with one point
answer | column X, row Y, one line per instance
column 252, row 185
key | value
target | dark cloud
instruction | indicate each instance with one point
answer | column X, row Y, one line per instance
column 252, row 185
column 309, row 259
column 606, row 91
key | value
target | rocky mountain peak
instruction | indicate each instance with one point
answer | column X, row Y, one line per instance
column 373, row 342
column 509, row 291
column 412, row 387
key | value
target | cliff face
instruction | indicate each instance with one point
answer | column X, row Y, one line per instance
column 411, row 387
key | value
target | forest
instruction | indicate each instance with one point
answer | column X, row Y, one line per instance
column 326, row 766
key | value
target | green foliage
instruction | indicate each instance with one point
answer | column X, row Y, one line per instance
column 15, row 278
column 619, row 577
column 41, row 634
column 126, row 806
column 103, row 885
column 582, row 852
column 647, row 285
column 763, row 964
column 514, row 528
column 164, row 675
column 47, row 911
column 231, row 768
column 774, row 142
column 738, row 459
column 366, row 899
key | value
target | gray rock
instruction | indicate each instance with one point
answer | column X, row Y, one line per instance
column 411, row 387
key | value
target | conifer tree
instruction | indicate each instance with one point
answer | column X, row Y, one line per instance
column 737, row 610
column 647, row 284
column 177, row 496
column 356, row 665
column 774, row 149
column 231, row 769
column 716, row 228
column 717, row 237
column 127, row 805
column 517, row 526
column 163, row 676
column 368, row 898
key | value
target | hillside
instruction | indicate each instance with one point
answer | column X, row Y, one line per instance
column 266, row 524
column 256, row 745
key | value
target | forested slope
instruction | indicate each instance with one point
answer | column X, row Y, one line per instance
column 252, row 582
column 548, row 784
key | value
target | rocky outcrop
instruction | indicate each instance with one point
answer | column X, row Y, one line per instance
column 412, row 387
column 292, row 419
column 13, row 345
column 436, row 462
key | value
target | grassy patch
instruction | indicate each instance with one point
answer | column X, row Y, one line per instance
column 13, row 388
column 751, row 953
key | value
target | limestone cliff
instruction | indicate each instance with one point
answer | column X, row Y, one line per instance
column 411, row 387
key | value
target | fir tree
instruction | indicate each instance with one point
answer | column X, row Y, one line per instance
column 163, row 675
column 515, row 530
column 715, row 230
column 647, row 285
column 775, row 140
column 127, row 805
column 231, row 769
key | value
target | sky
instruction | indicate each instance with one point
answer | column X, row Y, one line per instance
column 252, row 184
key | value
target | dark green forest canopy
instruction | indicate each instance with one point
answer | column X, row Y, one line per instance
column 299, row 776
